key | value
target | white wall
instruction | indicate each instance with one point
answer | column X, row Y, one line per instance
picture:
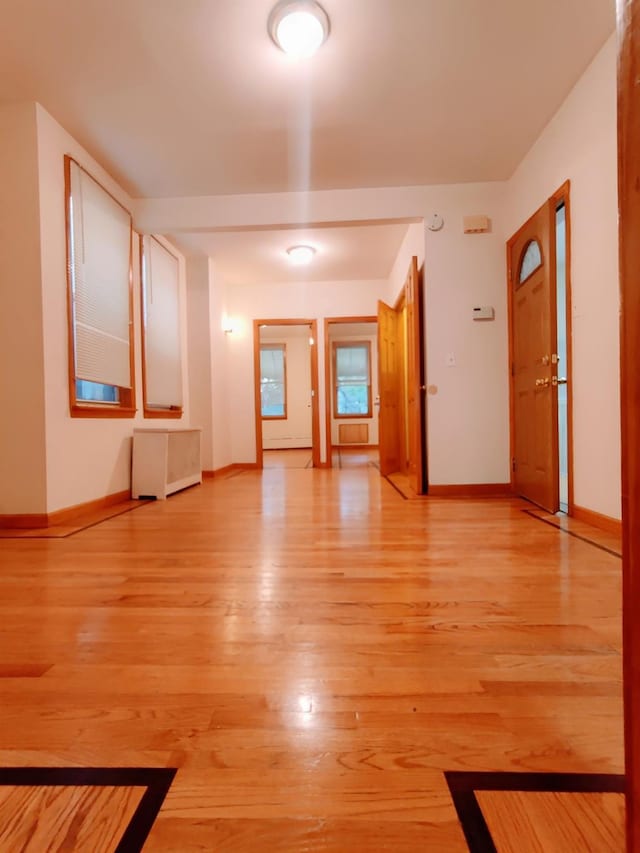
column 199, row 348
column 87, row 458
column 222, row 377
column 579, row 144
column 22, row 424
column 295, row 429
column 413, row 244
column 336, row 335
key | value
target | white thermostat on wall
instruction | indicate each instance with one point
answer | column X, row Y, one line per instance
column 484, row 312
column 435, row 222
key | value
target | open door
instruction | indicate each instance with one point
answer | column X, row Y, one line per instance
column 415, row 378
column 534, row 370
column 628, row 182
column 389, row 388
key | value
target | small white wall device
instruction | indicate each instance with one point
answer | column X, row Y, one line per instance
column 484, row 312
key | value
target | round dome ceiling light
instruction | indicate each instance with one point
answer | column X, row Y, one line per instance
column 298, row 27
column 301, row 256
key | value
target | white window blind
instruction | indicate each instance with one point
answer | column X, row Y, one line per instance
column 161, row 306
column 100, row 259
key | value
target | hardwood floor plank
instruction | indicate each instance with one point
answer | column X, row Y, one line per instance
column 60, row 819
column 312, row 652
column 539, row 822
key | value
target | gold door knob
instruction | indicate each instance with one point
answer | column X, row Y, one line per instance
column 558, row 380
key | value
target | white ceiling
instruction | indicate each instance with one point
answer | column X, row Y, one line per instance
column 190, row 97
column 342, row 253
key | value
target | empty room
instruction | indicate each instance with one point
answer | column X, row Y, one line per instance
column 318, row 457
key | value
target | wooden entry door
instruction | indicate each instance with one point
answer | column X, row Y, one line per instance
column 415, row 378
column 532, row 280
column 389, row 365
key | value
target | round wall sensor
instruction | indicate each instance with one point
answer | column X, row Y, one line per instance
column 435, row 223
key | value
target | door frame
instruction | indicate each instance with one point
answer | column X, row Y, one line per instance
column 315, row 417
column 561, row 195
column 328, row 389
column 629, row 223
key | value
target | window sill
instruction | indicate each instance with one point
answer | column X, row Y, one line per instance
column 162, row 413
column 95, row 410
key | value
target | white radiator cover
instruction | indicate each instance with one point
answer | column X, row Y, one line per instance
column 164, row 461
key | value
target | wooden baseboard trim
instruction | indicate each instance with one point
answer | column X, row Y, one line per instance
column 471, row 490
column 596, row 519
column 25, row 521
column 217, row 472
column 62, row 516
column 228, row 469
column 354, row 447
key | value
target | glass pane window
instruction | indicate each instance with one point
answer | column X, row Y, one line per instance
column 96, row 392
column 273, row 381
column 531, row 261
column 352, row 379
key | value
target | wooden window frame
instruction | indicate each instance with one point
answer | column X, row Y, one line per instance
column 151, row 411
column 351, row 345
column 126, row 405
column 283, row 348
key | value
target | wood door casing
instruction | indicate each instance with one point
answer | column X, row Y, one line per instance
column 629, row 224
column 389, row 389
column 415, row 378
column 534, row 336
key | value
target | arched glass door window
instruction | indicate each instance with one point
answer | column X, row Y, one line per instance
column 530, row 262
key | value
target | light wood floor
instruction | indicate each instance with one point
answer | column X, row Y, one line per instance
column 311, row 652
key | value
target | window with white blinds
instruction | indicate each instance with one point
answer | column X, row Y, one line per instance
column 99, row 264
column 161, row 330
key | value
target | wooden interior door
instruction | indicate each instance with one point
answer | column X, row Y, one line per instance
column 415, row 378
column 389, row 390
column 532, row 279
column 629, row 201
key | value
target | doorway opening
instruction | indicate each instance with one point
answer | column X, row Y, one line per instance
column 562, row 348
column 401, row 347
column 286, row 393
column 351, row 391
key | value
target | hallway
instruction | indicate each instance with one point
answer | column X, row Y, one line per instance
column 312, row 652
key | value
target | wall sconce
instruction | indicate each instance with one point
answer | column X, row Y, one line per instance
column 228, row 325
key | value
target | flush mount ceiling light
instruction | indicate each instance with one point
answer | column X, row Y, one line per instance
column 300, row 256
column 298, row 27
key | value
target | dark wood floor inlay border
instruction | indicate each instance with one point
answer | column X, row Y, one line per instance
column 463, row 785
column 534, row 514
column 156, row 780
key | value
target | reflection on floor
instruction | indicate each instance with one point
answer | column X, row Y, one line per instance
column 287, row 458
column 354, row 457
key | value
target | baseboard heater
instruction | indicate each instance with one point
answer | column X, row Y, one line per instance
column 164, row 461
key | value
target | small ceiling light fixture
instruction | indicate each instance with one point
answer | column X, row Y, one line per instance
column 298, row 27
column 301, row 256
